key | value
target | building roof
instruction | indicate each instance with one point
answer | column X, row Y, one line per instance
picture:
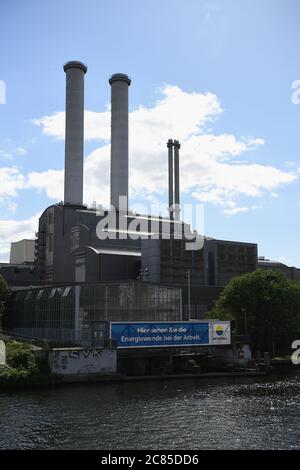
column 268, row 262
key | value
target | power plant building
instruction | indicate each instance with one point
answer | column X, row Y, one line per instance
column 70, row 254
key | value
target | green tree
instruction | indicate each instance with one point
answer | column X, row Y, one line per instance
column 265, row 303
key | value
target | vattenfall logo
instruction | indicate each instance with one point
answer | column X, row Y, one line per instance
column 219, row 330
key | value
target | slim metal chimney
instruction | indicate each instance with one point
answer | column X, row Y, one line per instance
column 176, row 178
column 171, row 190
column 73, row 188
column 119, row 83
column 174, row 197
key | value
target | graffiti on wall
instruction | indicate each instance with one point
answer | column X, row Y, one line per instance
column 82, row 361
column 76, row 353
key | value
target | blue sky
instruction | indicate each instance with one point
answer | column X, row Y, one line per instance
column 215, row 74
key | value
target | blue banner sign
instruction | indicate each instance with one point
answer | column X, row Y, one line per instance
column 137, row 335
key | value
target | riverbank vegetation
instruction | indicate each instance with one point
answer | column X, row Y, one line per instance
column 22, row 368
column 4, row 294
column 264, row 305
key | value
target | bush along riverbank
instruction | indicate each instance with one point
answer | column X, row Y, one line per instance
column 23, row 369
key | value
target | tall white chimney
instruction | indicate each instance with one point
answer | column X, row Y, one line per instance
column 119, row 83
column 73, row 187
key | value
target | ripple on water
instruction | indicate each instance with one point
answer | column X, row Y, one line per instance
column 227, row 414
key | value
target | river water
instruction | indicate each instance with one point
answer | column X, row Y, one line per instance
column 241, row 413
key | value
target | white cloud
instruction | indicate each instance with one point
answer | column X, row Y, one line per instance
column 51, row 181
column 11, row 181
column 9, row 155
column 14, row 230
column 236, row 210
column 21, row 151
column 6, row 155
column 53, row 126
column 233, row 209
column 12, row 206
column 96, row 178
column 213, row 166
column 8, row 204
column 97, row 125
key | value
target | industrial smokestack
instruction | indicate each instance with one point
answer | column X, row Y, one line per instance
column 73, row 189
column 171, row 190
column 119, row 139
column 176, row 178
column 174, row 197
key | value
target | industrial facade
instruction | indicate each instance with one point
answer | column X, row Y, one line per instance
column 290, row 272
column 22, row 252
column 79, row 313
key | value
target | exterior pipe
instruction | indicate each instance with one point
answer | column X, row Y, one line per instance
column 176, row 177
column 171, row 190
